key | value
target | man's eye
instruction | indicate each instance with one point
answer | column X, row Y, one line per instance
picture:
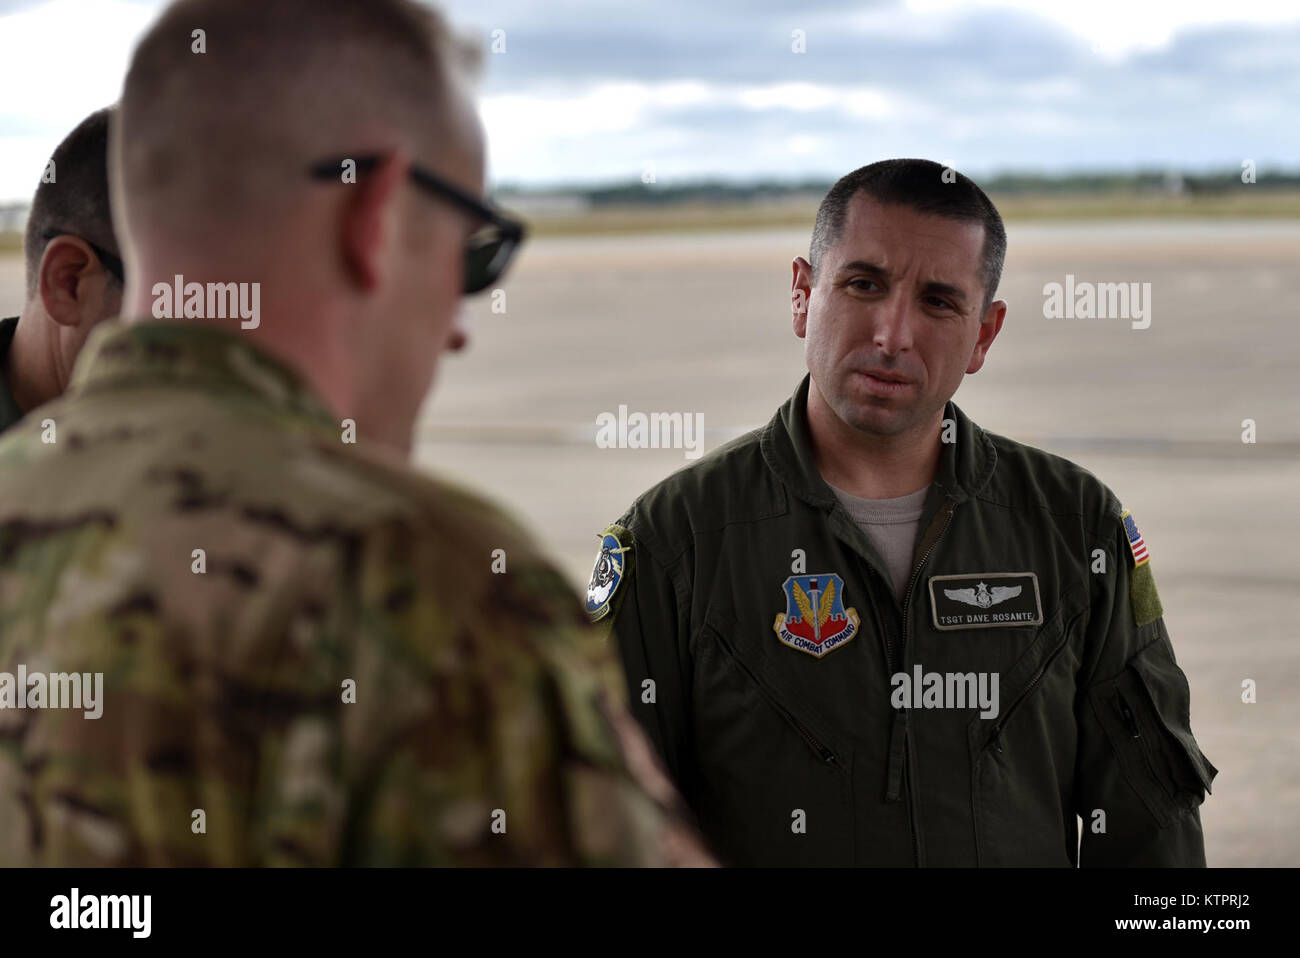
column 941, row 303
column 861, row 284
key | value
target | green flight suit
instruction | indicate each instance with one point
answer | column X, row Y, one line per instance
column 9, row 411
column 772, row 701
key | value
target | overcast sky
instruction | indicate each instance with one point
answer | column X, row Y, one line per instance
column 595, row 90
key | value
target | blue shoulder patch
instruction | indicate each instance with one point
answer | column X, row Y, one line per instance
column 613, row 563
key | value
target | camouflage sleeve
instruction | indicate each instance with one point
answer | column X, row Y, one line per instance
column 492, row 729
column 320, row 696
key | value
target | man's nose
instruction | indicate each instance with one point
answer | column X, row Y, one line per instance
column 892, row 325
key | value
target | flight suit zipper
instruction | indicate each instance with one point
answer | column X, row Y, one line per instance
column 1033, row 684
column 916, row 572
column 1130, row 720
column 913, row 815
column 823, row 752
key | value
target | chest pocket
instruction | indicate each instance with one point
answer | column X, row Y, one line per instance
column 776, row 786
column 1019, row 797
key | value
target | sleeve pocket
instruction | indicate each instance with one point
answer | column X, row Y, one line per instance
column 1146, row 714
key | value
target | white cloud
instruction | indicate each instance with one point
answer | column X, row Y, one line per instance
column 1116, row 28
column 802, row 145
column 58, row 62
column 519, row 123
column 909, row 78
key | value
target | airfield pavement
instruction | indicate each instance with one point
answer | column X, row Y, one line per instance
column 699, row 322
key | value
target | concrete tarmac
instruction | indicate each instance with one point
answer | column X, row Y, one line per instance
column 700, row 323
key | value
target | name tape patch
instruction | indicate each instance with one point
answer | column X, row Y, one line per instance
column 985, row 600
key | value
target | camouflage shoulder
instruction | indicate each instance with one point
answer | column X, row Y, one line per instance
column 623, row 808
column 478, row 557
column 628, row 812
column 428, row 501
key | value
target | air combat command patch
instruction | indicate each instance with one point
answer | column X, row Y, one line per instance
column 815, row 619
column 613, row 562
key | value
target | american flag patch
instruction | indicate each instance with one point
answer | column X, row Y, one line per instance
column 1135, row 542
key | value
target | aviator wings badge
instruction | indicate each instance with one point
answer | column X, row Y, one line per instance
column 981, row 596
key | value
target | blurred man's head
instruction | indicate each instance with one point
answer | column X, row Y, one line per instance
column 360, row 283
column 895, row 302
column 74, row 271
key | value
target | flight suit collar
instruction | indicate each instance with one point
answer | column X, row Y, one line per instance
column 9, row 411
column 193, row 355
column 965, row 466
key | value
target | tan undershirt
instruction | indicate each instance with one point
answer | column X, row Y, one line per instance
column 891, row 526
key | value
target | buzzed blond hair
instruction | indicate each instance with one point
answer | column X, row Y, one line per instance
column 217, row 128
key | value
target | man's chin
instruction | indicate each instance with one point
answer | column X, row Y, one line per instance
column 881, row 419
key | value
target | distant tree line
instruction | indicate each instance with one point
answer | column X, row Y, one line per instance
column 636, row 192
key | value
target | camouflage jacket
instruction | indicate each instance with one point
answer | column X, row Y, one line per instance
column 307, row 655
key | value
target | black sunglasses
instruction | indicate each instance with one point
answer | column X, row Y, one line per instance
column 110, row 261
column 487, row 252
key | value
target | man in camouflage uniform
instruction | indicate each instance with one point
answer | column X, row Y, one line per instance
column 309, row 654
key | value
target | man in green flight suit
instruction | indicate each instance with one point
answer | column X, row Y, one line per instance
column 235, row 627
column 873, row 633
column 74, row 273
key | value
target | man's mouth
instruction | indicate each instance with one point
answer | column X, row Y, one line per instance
column 883, row 383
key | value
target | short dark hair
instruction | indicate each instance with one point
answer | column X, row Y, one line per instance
column 218, row 139
column 76, row 200
column 920, row 185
